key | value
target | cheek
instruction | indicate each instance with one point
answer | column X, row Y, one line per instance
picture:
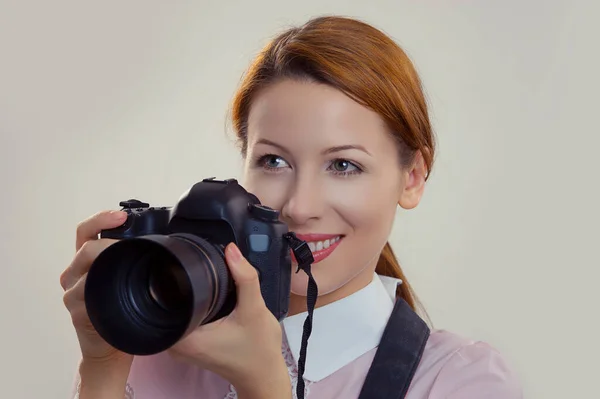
column 365, row 204
column 369, row 211
column 370, row 216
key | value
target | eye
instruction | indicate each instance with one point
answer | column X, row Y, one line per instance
column 344, row 167
column 271, row 161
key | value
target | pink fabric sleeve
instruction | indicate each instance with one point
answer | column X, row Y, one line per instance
column 476, row 371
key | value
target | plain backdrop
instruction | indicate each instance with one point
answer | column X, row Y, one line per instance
column 108, row 100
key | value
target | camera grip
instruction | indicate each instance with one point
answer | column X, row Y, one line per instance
column 274, row 275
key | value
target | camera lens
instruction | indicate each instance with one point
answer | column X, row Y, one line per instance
column 168, row 286
column 144, row 294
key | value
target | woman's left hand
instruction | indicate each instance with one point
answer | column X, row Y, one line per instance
column 245, row 346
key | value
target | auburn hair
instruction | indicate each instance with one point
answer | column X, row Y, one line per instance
column 369, row 67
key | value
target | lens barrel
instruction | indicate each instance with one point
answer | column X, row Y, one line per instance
column 146, row 293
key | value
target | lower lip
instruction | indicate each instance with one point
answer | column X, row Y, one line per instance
column 318, row 256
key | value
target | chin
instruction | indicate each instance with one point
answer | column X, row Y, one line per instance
column 328, row 280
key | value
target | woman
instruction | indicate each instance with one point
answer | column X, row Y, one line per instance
column 334, row 130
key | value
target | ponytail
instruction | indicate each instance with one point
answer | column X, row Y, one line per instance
column 388, row 265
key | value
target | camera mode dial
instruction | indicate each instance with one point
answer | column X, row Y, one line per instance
column 263, row 212
column 133, row 203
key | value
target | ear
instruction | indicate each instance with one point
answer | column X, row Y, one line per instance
column 414, row 183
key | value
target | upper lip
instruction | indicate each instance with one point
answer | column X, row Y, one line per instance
column 316, row 237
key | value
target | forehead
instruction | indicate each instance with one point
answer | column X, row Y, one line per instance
column 307, row 114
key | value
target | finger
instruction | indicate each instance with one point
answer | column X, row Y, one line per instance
column 246, row 280
column 74, row 300
column 75, row 294
column 82, row 261
column 90, row 228
column 80, row 317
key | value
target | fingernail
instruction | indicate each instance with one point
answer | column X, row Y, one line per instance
column 234, row 252
column 118, row 214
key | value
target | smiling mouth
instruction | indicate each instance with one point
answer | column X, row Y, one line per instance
column 321, row 246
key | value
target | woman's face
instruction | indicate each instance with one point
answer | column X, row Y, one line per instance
column 330, row 166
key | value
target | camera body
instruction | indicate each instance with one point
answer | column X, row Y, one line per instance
column 220, row 212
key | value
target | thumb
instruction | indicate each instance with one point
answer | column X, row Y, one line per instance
column 246, row 280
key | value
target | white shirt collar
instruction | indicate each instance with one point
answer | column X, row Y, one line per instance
column 343, row 330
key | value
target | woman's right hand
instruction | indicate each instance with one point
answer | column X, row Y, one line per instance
column 94, row 349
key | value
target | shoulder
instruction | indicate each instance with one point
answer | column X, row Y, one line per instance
column 454, row 366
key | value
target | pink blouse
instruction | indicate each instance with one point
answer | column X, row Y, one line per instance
column 341, row 348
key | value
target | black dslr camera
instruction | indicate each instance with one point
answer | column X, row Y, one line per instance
column 167, row 273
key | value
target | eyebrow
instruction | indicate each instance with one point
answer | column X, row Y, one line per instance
column 330, row 150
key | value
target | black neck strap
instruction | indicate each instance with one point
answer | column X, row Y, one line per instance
column 398, row 355
column 304, row 257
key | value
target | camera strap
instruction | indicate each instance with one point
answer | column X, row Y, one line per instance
column 304, row 257
column 400, row 349
column 398, row 355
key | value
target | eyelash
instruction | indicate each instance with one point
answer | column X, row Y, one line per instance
column 260, row 162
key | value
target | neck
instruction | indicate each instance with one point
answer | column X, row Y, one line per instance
column 298, row 302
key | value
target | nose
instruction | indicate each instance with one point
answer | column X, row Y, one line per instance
column 304, row 202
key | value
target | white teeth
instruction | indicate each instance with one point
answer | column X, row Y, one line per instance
column 319, row 245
